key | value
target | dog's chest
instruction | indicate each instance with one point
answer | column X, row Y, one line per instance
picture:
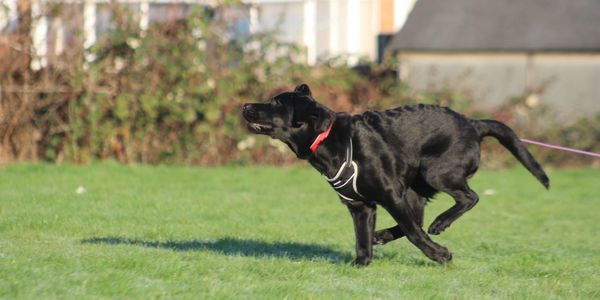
column 344, row 181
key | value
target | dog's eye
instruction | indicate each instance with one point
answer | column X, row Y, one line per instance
column 298, row 124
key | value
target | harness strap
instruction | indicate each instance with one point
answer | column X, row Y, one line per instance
column 348, row 173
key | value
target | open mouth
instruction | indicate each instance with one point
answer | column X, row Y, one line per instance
column 252, row 118
column 259, row 128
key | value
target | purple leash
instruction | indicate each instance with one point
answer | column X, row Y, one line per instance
column 592, row 154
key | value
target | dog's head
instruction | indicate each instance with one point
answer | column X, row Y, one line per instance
column 292, row 117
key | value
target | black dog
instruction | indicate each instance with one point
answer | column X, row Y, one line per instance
column 398, row 158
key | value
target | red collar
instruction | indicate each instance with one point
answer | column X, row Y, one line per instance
column 320, row 138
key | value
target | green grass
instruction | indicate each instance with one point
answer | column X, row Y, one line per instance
column 270, row 233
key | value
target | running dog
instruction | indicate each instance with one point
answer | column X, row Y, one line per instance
column 398, row 159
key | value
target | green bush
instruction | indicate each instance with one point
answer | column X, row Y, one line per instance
column 170, row 94
column 173, row 93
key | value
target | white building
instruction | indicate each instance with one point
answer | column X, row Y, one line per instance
column 492, row 51
column 326, row 28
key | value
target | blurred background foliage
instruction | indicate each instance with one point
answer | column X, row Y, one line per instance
column 172, row 94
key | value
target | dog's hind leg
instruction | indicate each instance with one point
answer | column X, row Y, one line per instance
column 417, row 206
column 449, row 174
column 396, row 206
column 465, row 200
column 387, row 235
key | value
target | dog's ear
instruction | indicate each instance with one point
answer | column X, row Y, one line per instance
column 321, row 117
column 303, row 89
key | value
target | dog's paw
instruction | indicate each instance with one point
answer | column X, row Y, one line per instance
column 442, row 256
column 445, row 256
column 382, row 237
column 379, row 238
column 437, row 227
column 360, row 262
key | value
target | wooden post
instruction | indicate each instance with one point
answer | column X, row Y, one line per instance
column 24, row 30
column 334, row 27
column 89, row 29
column 310, row 30
column 353, row 31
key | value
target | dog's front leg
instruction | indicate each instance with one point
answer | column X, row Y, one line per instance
column 364, row 226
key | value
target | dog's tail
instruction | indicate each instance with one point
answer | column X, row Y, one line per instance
column 510, row 141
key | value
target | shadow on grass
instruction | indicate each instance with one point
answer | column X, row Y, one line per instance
column 235, row 247
column 416, row 260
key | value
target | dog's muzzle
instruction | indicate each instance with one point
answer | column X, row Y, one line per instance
column 254, row 125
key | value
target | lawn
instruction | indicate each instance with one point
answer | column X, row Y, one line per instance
column 270, row 233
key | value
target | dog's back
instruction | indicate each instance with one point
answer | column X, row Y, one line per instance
column 422, row 133
column 434, row 142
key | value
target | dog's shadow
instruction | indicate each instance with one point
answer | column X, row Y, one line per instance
column 236, row 247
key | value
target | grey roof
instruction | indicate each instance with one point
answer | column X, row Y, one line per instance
column 501, row 25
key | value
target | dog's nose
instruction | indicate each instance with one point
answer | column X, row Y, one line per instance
column 249, row 112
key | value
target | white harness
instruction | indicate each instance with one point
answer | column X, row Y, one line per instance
column 344, row 181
